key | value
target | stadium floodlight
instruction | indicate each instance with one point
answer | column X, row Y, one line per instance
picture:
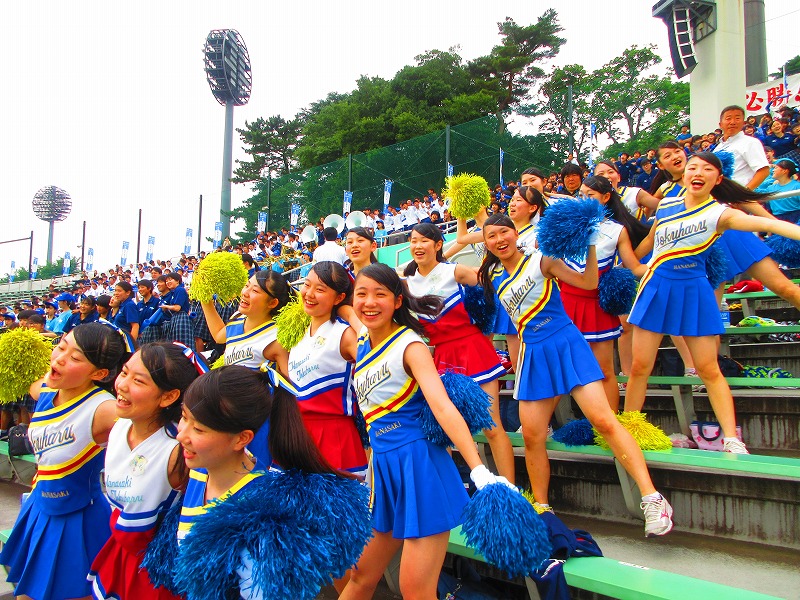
column 51, row 204
column 688, row 22
column 227, row 66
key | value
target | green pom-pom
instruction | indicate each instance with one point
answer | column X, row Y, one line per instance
column 468, row 195
column 292, row 322
column 647, row 435
column 24, row 358
column 221, row 274
column 220, row 362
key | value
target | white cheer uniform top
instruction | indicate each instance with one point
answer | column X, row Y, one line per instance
column 247, row 349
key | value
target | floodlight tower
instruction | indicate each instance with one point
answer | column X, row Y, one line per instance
column 51, row 204
column 227, row 65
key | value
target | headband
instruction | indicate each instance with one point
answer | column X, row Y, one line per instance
column 127, row 339
column 187, row 352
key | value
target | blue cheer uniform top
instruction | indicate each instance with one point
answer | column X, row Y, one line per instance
column 583, row 306
column 404, row 462
column 554, row 356
column 247, row 349
column 63, row 524
column 526, row 242
column 138, row 488
column 459, row 345
column 675, row 296
column 326, row 396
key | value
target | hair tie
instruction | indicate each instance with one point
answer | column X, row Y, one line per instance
column 277, row 380
column 127, row 339
column 187, row 352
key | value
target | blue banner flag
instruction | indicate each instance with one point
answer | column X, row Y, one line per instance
column 348, row 201
column 217, row 234
column 13, row 272
column 449, row 170
column 90, row 260
column 295, row 215
column 387, row 193
column 261, row 226
column 34, row 268
column 124, row 258
column 66, row 264
column 502, row 181
column 151, row 242
column 187, row 244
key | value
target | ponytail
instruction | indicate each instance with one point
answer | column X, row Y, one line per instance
column 490, row 261
column 637, row 230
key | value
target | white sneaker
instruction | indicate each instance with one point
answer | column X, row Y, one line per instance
column 734, row 446
column 657, row 517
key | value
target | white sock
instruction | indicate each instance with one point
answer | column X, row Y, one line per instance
column 651, row 497
column 729, row 439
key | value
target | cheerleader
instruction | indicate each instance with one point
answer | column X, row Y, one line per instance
column 457, row 343
column 251, row 336
column 321, row 368
column 555, row 359
column 221, row 412
column 417, row 494
column 360, row 247
column 675, row 296
column 124, row 313
column 144, row 468
column 619, row 234
column 638, row 202
column 64, row 521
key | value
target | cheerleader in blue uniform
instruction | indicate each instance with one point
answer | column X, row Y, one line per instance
column 251, row 336
column 458, row 344
column 417, row 494
column 144, row 468
column 64, row 521
column 321, row 368
column 638, row 202
column 619, row 234
column 675, row 296
column 555, row 359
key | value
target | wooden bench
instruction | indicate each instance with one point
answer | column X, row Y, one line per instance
column 747, row 465
column 22, row 467
column 623, row 580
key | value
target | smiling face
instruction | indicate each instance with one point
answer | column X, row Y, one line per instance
column 731, row 122
column 604, row 170
column 700, row 176
column 256, row 302
column 501, row 241
column 519, row 210
column 423, row 249
column 590, row 193
column 204, row 447
column 359, row 248
column 69, row 367
column 138, row 397
column 374, row 304
column 319, row 300
column 530, row 180
column 672, row 160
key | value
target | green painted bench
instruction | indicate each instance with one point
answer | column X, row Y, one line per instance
column 623, row 580
column 746, row 297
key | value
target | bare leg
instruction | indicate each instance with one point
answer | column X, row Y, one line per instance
column 502, row 452
column 683, row 351
column 604, row 353
column 767, row 272
column 377, row 555
column 512, row 343
column 645, row 346
column 420, row 566
column 625, row 345
column 704, row 352
column 535, row 416
column 591, row 401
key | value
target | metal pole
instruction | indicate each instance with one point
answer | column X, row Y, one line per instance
column 446, row 148
column 349, row 172
column 50, row 242
column 30, row 264
column 755, row 42
column 227, row 162
column 83, row 240
column 138, row 241
column 269, row 192
column 200, row 225
column 569, row 115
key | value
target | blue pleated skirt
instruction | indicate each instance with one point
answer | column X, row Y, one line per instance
column 49, row 556
column 684, row 306
column 503, row 325
column 742, row 250
column 416, row 491
column 555, row 365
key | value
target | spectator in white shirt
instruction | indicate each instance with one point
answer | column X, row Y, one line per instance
column 750, row 166
column 330, row 250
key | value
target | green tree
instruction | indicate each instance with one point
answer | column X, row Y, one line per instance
column 792, row 68
column 510, row 69
column 271, row 144
column 45, row 271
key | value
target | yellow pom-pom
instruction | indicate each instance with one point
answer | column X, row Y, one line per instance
column 292, row 322
column 24, row 358
column 468, row 195
column 220, row 362
column 222, row 274
column 528, row 495
column 647, row 435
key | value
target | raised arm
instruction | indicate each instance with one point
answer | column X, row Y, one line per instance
column 215, row 323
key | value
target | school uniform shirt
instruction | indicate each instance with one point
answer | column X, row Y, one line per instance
column 127, row 314
column 148, row 308
column 748, row 155
column 332, row 251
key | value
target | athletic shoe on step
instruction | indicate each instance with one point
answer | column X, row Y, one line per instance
column 657, row 517
column 734, row 446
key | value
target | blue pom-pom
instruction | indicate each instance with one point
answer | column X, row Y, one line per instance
column 361, row 426
column 575, row 433
column 785, row 251
column 727, row 159
column 616, row 290
column 159, row 557
column 565, row 228
column 300, row 531
column 470, row 400
column 503, row 526
column 480, row 311
column 716, row 265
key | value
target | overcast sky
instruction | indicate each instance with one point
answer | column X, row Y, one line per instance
column 109, row 100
